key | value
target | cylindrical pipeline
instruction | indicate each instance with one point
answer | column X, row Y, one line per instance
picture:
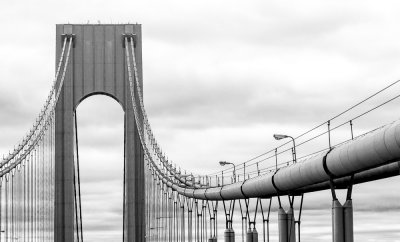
column 283, row 225
column 348, row 221
column 229, row 235
column 252, row 235
column 337, row 222
column 291, row 226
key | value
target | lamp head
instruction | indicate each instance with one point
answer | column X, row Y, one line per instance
column 222, row 163
column 280, row 136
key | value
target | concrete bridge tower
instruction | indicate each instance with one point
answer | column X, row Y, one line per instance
column 97, row 66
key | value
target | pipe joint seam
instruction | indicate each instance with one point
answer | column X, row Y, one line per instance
column 241, row 189
column 325, row 166
column 273, row 183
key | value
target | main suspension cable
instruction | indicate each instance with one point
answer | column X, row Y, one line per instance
column 40, row 119
column 47, row 118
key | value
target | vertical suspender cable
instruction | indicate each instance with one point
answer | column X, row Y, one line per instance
column 42, row 177
column 1, row 202
column 34, row 197
column 31, row 198
column 24, row 184
column 17, row 201
column 123, row 193
column 52, row 178
column 36, row 194
column 12, row 204
column 44, row 184
column 7, row 195
column 79, row 179
column 76, row 207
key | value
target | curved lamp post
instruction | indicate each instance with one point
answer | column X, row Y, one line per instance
column 222, row 163
column 282, row 136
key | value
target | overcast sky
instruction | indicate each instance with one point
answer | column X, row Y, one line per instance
column 220, row 77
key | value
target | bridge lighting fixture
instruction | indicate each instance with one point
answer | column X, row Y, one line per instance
column 222, row 163
column 283, row 136
column 280, row 136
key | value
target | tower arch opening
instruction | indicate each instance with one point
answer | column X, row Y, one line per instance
column 100, row 126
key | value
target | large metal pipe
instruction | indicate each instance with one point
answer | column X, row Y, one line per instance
column 384, row 171
column 370, row 157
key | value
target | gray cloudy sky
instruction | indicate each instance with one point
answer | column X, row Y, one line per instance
column 220, row 77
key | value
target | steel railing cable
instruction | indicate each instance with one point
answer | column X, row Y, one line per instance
column 46, row 120
column 285, row 163
column 321, row 125
column 336, row 127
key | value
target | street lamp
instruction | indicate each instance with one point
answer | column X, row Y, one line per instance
column 222, row 163
column 282, row 136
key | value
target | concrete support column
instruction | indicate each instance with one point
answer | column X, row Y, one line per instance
column 283, row 225
column 342, row 221
column 252, row 235
column 348, row 221
column 286, row 225
column 337, row 221
column 291, row 225
column 229, row 235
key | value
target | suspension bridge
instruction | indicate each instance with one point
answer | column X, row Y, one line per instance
column 40, row 196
